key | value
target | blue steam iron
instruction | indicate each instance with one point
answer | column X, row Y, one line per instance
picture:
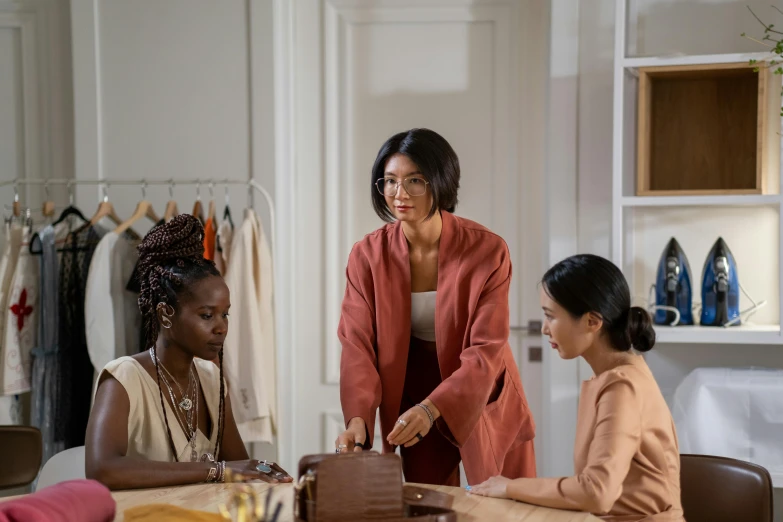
column 673, row 287
column 720, row 290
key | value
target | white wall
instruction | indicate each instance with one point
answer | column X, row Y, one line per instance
column 173, row 89
column 36, row 112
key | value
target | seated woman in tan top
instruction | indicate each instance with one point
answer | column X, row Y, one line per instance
column 626, row 455
column 163, row 417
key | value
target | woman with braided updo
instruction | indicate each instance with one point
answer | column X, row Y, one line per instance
column 163, row 417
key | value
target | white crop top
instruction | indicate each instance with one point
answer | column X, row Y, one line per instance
column 423, row 315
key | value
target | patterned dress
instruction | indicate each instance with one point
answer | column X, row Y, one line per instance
column 77, row 372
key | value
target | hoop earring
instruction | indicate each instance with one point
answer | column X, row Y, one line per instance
column 167, row 308
column 168, row 311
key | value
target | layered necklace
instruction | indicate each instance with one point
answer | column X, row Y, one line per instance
column 186, row 409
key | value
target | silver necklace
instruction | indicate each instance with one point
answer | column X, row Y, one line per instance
column 189, row 424
column 186, row 403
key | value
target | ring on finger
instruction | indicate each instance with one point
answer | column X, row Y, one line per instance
column 263, row 467
column 419, row 436
column 403, row 422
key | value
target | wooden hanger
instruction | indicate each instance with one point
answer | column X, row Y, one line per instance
column 17, row 209
column 211, row 211
column 171, row 206
column 198, row 211
column 48, row 206
column 105, row 209
column 143, row 209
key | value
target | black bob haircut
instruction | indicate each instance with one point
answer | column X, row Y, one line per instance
column 437, row 162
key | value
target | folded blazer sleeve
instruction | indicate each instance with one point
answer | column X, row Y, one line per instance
column 462, row 396
column 360, row 383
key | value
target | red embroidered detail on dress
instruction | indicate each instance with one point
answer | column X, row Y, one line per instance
column 21, row 310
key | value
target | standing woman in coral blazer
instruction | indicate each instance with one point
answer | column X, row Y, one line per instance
column 424, row 328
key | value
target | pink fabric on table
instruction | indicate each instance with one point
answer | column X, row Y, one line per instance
column 70, row 501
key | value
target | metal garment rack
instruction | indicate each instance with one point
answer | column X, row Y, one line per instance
column 142, row 183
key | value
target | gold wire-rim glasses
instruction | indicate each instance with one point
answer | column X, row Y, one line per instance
column 380, row 183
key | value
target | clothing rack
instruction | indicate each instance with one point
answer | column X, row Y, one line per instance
column 142, row 183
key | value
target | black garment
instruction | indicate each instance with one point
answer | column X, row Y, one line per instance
column 77, row 372
column 134, row 285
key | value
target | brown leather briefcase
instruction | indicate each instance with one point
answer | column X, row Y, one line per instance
column 364, row 486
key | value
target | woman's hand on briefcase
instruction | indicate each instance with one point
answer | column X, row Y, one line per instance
column 259, row 470
column 414, row 424
column 353, row 438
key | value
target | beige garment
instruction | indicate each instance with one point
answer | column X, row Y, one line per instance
column 147, row 437
column 626, row 454
column 223, row 246
column 249, row 348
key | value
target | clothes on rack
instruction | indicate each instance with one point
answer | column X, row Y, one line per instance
column 10, row 405
column 249, row 349
column 77, row 369
column 21, row 321
column 225, row 232
column 68, row 306
column 111, row 311
column 13, row 244
column 46, row 369
column 210, row 231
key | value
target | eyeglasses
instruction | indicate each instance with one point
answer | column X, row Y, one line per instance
column 413, row 186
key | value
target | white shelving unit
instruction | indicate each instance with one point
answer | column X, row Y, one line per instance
column 626, row 206
column 693, row 59
column 690, row 212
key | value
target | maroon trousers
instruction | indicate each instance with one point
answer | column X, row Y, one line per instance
column 434, row 459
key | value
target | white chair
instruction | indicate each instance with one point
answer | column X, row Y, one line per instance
column 66, row 465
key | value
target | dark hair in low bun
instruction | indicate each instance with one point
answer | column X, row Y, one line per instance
column 587, row 283
column 640, row 329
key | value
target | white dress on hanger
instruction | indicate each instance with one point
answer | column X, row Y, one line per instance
column 13, row 242
column 111, row 311
column 10, row 406
column 21, row 321
column 249, row 348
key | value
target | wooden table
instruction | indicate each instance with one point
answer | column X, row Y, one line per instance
column 207, row 497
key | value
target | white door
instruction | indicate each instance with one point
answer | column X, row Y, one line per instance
column 349, row 74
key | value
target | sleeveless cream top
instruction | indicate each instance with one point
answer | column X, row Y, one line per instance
column 147, row 436
column 423, row 315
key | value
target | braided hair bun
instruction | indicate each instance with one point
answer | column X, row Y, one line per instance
column 170, row 255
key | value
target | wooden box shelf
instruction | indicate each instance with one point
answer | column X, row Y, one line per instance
column 708, row 130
